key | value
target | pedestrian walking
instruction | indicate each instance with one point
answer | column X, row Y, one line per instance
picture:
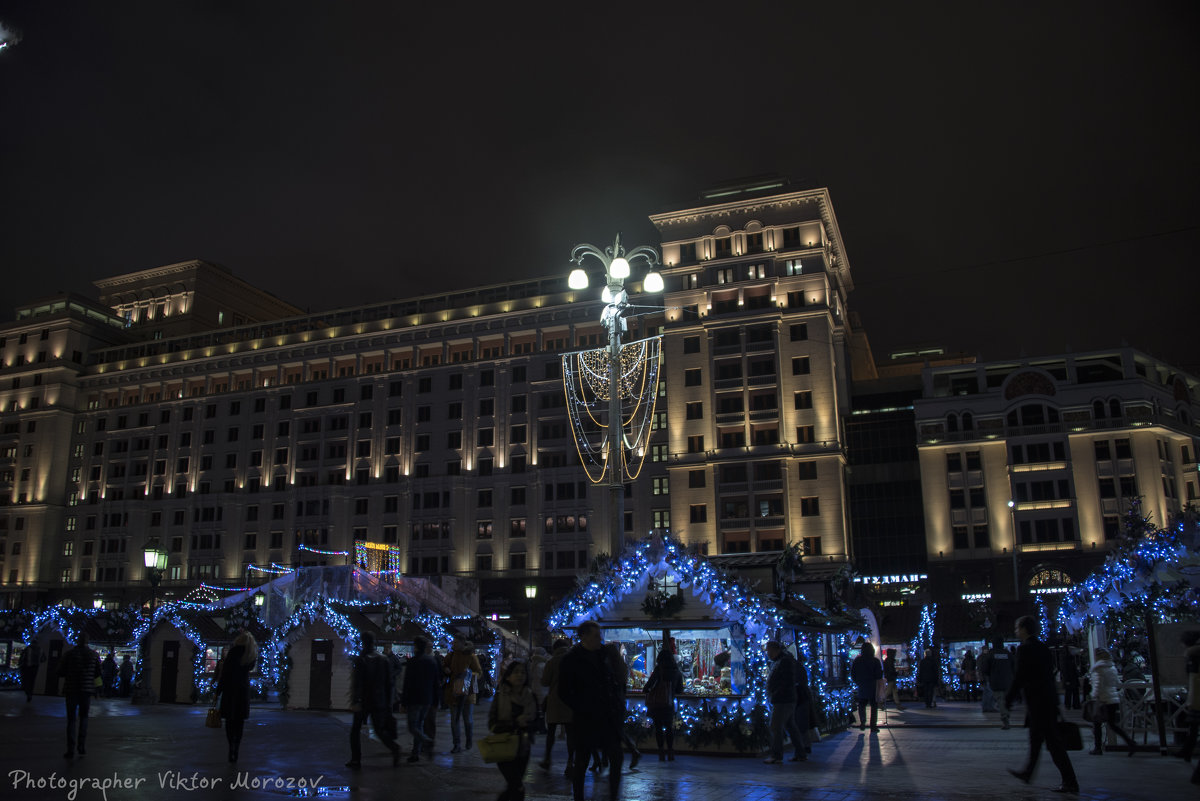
column 781, row 693
column 585, row 684
column 969, row 674
column 1068, row 668
column 513, row 709
column 1001, row 667
column 664, row 683
column 233, row 685
column 1106, row 698
column 126, row 676
column 371, row 685
column 891, row 675
column 1034, row 679
column 80, row 669
column 537, row 669
column 804, row 705
column 983, row 668
column 619, row 670
column 462, row 670
column 929, row 676
column 558, row 714
column 422, row 686
column 108, row 673
column 30, row 662
column 866, row 672
column 439, row 701
column 1191, row 665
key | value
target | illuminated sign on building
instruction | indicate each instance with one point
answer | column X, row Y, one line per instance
column 901, row 578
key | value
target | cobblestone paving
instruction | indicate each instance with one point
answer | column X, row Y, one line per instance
column 954, row 752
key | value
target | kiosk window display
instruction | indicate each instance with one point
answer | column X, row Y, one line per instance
column 712, row 661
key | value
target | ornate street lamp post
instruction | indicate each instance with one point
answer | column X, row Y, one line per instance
column 625, row 372
column 530, row 594
column 155, row 560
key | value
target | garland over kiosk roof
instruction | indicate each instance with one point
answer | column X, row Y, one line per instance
column 658, row 595
column 633, row 592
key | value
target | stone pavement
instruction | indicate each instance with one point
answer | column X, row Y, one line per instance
column 953, row 752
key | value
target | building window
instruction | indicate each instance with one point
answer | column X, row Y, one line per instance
column 660, row 486
column 803, row 400
column 698, row 513
column 810, row 507
column 692, row 377
column 696, row 479
column 961, row 540
column 691, row 344
column 695, row 444
column 695, row 410
column 799, row 332
column 800, row 365
column 806, row 471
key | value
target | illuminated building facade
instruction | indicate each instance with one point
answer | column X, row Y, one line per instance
column 1069, row 440
column 205, row 413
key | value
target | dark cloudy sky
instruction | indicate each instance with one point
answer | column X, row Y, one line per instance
column 1008, row 177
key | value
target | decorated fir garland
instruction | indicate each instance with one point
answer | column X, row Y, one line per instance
column 660, row 604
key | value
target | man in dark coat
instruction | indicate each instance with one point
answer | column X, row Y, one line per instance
column 781, row 692
column 422, row 688
column 80, row 668
column 1034, row 679
column 586, row 686
column 31, row 659
column 371, row 684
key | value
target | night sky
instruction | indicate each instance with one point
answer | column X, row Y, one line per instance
column 1009, row 178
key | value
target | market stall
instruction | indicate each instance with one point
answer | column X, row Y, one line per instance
column 655, row 596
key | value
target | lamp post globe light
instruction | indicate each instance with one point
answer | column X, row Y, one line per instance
column 155, row 560
column 613, row 374
column 530, row 594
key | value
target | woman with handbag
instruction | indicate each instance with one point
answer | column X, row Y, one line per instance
column 866, row 672
column 513, row 710
column 1106, row 701
column 233, row 685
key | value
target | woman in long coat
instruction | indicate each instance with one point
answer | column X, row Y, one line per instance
column 233, row 685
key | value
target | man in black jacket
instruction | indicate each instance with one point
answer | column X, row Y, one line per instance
column 1034, row 678
column 80, row 667
column 585, row 685
column 422, row 688
column 781, row 692
column 371, row 684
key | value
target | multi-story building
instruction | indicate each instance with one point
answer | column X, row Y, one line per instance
column 1028, row 466
column 239, row 431
column 757, row 363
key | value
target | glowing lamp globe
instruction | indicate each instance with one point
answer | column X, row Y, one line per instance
column 578, row 279
column 653, row 282
column 619, row 268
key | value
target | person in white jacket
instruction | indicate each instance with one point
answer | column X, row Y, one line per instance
column 1106, row 693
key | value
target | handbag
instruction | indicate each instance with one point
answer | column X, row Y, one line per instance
column 1068, row 735
column 1090, row 711
column 212, row 720
column 464, row 685
column 499, row 747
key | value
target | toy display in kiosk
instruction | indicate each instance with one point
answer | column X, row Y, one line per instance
column 709, row 659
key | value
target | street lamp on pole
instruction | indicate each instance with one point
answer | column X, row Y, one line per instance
column 1012, row 516
column 616, row 262
column 530, row 594
column 155, row 560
